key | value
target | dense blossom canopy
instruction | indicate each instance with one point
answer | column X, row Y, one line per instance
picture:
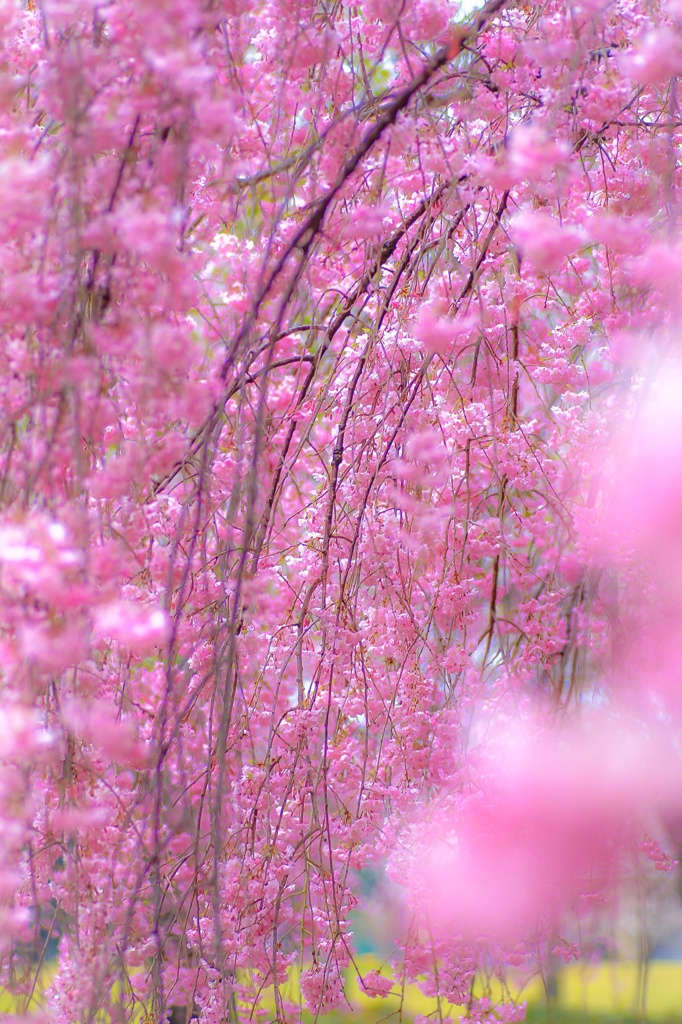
column 315, row 320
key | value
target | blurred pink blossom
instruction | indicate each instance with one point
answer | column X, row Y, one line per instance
column 542, row 239
column 533, row 154
column 549, row 816
column 657, row 58
column 132, row 625
column 98, row 723
column 441, row 334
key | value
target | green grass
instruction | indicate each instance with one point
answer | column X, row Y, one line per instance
column 605, row 993
column 556, row 1015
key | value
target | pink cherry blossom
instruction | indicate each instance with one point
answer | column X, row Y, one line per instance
column 551, row 818
column 324, row 448
column 656, row 58
column 442, row 334
column 132, row 625
column 532, row 153
column 542, row 239
column 376, row 984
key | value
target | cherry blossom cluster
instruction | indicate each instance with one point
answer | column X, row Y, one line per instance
column 333, row 494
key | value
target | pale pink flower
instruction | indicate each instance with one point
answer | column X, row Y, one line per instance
column 657, row 58
column 365, row 222
column 646, row 502
column 17, row 546
column 53, row 648
column 22, row 736
column 79, row 819
column 99, row 723
column 533, row 154
column 132, row 625
column 542, row 239
column 552, row 812
column 442, row 334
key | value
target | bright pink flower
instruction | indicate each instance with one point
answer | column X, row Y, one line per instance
column 376, row 985
column 321, row 987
